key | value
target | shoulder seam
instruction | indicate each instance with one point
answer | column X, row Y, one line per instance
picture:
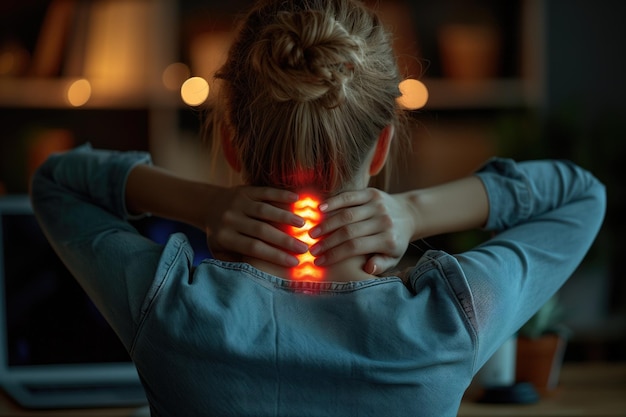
column 179, row 242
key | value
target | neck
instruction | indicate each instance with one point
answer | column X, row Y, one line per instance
column 345, row 271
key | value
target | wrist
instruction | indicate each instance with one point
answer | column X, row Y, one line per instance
column 410, row 201
column 455, row 206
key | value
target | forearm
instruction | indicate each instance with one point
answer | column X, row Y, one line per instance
column 154, row 190
column 451, row 207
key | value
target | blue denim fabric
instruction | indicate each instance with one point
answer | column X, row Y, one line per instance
column 227, row 339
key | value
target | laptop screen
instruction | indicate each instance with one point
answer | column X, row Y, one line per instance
column 48, row 317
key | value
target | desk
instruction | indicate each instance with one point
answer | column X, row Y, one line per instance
column 8, row 408
column 585, row 389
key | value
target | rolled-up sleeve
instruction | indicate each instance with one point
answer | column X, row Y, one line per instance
column 545, row 216
column 79, row 200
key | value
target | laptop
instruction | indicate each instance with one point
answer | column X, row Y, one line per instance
column 56, row 350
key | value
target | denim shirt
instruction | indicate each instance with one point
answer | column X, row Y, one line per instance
column 224, row 338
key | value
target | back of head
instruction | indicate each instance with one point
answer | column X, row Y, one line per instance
column 307, row 88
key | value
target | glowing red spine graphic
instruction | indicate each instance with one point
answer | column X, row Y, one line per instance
column 306, row 270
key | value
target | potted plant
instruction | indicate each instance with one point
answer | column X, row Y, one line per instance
column 541, row 346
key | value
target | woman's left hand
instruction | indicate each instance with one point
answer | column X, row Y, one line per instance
column 364, row 222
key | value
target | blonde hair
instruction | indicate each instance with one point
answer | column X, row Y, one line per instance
column 306, row 90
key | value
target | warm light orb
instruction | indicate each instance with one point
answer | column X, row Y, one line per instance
column 414, row 94
column 175, row 75
column 195, row 91
column 306, row 270
column 79, row 92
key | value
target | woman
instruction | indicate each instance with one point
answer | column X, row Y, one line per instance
column 307, row 105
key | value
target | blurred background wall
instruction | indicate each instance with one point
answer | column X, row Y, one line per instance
column 585, row 120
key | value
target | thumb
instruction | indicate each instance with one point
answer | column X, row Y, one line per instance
column 378, row 264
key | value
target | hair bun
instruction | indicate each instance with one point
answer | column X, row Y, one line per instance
column 306, row 56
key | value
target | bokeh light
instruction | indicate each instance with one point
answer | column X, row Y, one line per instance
column 414, row 94
column 175, row 75
column 195, row 91
column 79, row 92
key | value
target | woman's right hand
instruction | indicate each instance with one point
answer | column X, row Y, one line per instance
column 365, row 222
column 242, row 222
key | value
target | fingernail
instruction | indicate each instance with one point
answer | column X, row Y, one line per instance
column 300, row 247
column 373, row 270
column 298, row 221
column 320, row 261
column 323, row 207
column 314, row 232
column 292, row 261
column 314, row 250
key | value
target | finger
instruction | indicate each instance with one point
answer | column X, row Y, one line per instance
column 370, row 266
column 284, row 241
column 256, row 248
column 379, row 264
column 382, row 243
column 351, row 231
column 267, row 233
column 346, row 199
column 260, row 250
column 270, row 213
column 343, row 218
column 348, row 249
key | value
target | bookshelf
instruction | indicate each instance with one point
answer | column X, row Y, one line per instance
column 109, row 54
column 473, row 89
column 123, row 48
column 120, row 47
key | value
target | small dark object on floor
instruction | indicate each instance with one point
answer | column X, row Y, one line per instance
column 520, row 393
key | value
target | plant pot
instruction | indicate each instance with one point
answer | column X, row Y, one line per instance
column 539, row 361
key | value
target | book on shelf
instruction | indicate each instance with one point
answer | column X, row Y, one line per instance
column 118, row 45
column 106, row 40
column 52, row 39
column 75, row 57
